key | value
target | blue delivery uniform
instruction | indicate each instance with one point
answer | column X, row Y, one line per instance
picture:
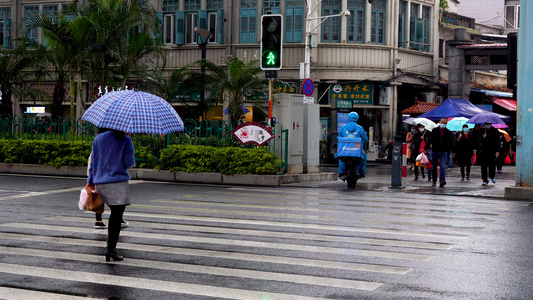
column 352, row 129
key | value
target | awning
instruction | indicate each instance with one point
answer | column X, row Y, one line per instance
column 420, row 108
column 493, row 93
column 505, row 103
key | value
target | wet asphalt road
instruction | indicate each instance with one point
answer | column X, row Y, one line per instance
column 320, row 241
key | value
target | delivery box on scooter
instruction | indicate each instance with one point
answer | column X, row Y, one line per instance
column 349, row 147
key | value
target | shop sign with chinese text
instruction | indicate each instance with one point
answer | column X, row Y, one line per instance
column 347, row 95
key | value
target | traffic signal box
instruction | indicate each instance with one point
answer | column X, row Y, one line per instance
column 271, row 42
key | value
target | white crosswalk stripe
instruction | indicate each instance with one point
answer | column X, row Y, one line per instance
column 304, row 246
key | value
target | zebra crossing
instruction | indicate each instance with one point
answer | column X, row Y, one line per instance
column 242, row 243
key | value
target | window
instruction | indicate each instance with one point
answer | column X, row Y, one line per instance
column 512, row 16
column 271, row 7
column 331, row 29
column 248, row 23
column 31, row 33
column 212, row 26
column 168, row 28
column 294, row 21
column 441, row 48
column 377, row 22
column 5, row 26
column 51, row 10
column 191, row 5
column 419, row 35
column 190, row 23
column 356, row 21
column 402, row 23
column 1, row 32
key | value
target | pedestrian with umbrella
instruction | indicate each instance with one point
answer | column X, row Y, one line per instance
column 420, row 138
column 112, row 152
column 488, row 139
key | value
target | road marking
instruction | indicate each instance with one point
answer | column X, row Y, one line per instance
column 302, row 225
column 316, row 263
column 334, row 200
column 233, row 242
column 400, row 197
column 51, row 192
column 192, row 268
column 22, row 294
column 308, row 207
column 148, row 284
column 280, row 234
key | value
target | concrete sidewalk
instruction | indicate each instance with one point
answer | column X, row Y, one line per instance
column 378, row 178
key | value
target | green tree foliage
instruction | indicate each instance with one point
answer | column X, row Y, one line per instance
column 234, row 81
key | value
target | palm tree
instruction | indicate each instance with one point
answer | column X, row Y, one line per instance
column 123, row 36
column 69, row 41
column 13, row 64
column 234, row 82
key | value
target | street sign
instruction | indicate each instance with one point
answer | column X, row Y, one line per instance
column 252, row 133
column 309, row 100
column 308, row 87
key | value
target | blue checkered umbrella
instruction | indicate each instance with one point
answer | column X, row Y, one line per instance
column 134, row 112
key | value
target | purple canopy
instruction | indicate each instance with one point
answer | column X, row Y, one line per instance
column 452, row 108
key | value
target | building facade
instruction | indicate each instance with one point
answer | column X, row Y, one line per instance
column 492, row 16
column 375, row 60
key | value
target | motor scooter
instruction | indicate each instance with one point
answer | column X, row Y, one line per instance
column 349, row 151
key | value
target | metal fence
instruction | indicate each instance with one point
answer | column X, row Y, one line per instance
column 208, row 133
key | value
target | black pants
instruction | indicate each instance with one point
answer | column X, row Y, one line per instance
column 113, row 229
column 500, row 160
column 488, row 161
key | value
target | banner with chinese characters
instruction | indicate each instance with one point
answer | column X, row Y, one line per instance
column 347, row 95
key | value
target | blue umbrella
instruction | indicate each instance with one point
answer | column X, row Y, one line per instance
column 456, row 124
column 244, row 109
column 134, row 112
column 485, row 118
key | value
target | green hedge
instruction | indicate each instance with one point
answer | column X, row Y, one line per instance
column 187, row 158
column 233, row 160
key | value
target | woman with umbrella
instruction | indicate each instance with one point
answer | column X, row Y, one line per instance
column 112, row 153
column 488, row 138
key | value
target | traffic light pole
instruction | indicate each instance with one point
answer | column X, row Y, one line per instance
column 309, row 23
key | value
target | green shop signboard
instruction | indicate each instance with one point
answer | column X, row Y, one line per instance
column 279, row 87
column 348, row 95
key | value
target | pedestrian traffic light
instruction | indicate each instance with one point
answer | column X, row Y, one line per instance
column 271, row 42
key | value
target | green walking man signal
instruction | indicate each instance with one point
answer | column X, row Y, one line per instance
column 271, row 42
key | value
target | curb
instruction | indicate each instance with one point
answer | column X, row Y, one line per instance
column 159, row 175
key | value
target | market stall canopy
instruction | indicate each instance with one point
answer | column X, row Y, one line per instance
column 506, row 103
column 420, row 108
column 452, row 108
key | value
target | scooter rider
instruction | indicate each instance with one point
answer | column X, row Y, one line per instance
column 352, row 129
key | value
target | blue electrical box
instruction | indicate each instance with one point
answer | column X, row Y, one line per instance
column 349, row 147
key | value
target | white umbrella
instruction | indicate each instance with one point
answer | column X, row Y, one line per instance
column 409, row 121
column 426, row 122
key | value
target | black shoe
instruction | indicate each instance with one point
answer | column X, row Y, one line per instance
column 467, row 177
column 124, row 224
column 442, row 183
column 100, row 225
column 416, row 178
column 423, row 176
column 434, row 183
column 113, row 254
column 342, row 177
column 462, row 179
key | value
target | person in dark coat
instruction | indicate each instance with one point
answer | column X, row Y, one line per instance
column 488, row 139
column 441, row 143
column 505, row 149
column 464, row 149
column 420, row 135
